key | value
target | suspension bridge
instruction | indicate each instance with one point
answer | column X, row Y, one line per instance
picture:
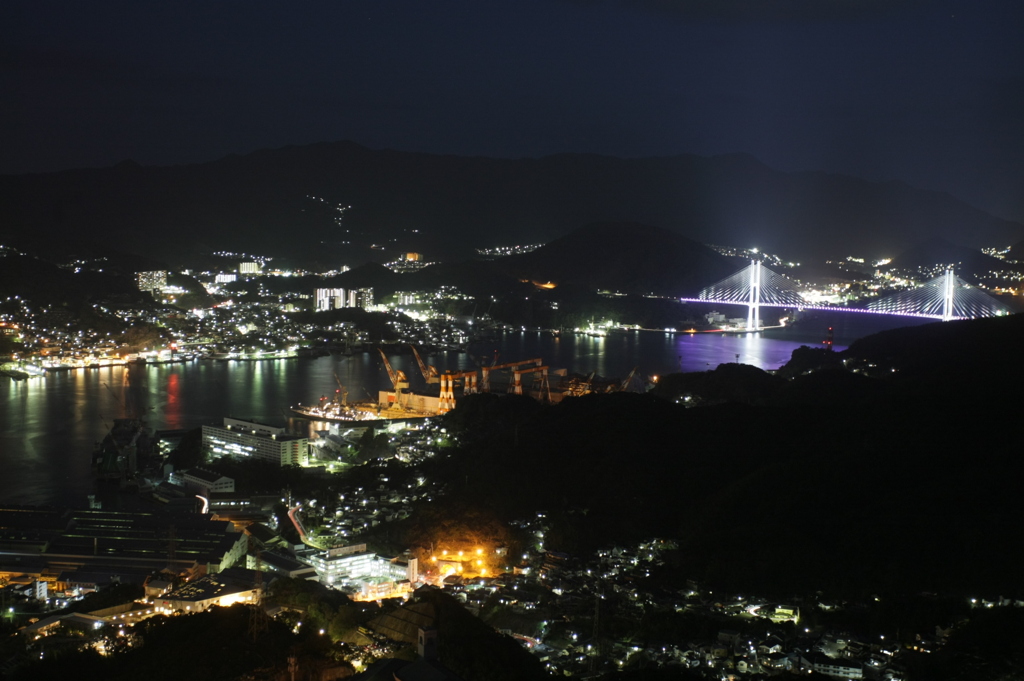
column 946, row 297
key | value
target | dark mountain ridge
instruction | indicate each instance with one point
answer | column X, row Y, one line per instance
column 623, row 256
column 445, row 205
column 966, row 262
column 618, row 256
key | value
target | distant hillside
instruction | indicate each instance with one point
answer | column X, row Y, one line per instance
column 967, row 262
column 625, row 257
column 616, row 256
column 1016, row 251
column 444, row 206
column 47, row 284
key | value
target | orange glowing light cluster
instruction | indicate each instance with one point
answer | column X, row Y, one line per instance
column 461, row 562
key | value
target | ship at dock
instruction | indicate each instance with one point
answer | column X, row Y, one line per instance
column 336, row 409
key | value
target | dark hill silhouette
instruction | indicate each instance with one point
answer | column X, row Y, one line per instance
column 369, row 275
column 23, row 275
column 966, row 262
column 619, row 256
column 446, row 205
column 858, row 482
column 961, row 348
column 1016, row 251
column 623, row 256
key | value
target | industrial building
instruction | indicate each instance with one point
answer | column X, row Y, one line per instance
column 224, row 589
column 409, row 402
column 272, row 562
column 85, row 549
column 202, row 481
column 252, row 440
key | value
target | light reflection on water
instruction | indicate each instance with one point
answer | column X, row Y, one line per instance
column 49, row 426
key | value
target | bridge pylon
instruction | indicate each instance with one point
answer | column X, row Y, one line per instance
column 948, row 287
column 755, row 286
column 754, row 306
column 946, row 297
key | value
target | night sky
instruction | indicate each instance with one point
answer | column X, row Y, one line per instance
column 927, row 92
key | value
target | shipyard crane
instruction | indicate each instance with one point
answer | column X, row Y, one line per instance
column 341, row 390
column 124, row 402
column 398, row 378
column 447, row 397
column 429, row 372
column 485, row 382
column 123, row 436
column 624, row 386
column 517, row 381
column 468, row 379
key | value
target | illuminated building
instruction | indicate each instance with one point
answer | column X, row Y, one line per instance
column 412, row 257
column 223, row 589
column 364, row 298
column 248, row 268
column 355, row 566
column 330, row 299
column 822, row 664
column 78, row 623
column 339, row 566
column 154, row 282
column 202, row 481
column 255, row 426
column 245, row 439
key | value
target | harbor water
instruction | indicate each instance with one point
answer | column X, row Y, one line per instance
column 50, row 425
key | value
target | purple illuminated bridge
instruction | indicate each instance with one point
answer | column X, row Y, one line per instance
column 945, row 297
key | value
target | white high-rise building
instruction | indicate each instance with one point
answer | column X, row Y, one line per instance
column 330, row 298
